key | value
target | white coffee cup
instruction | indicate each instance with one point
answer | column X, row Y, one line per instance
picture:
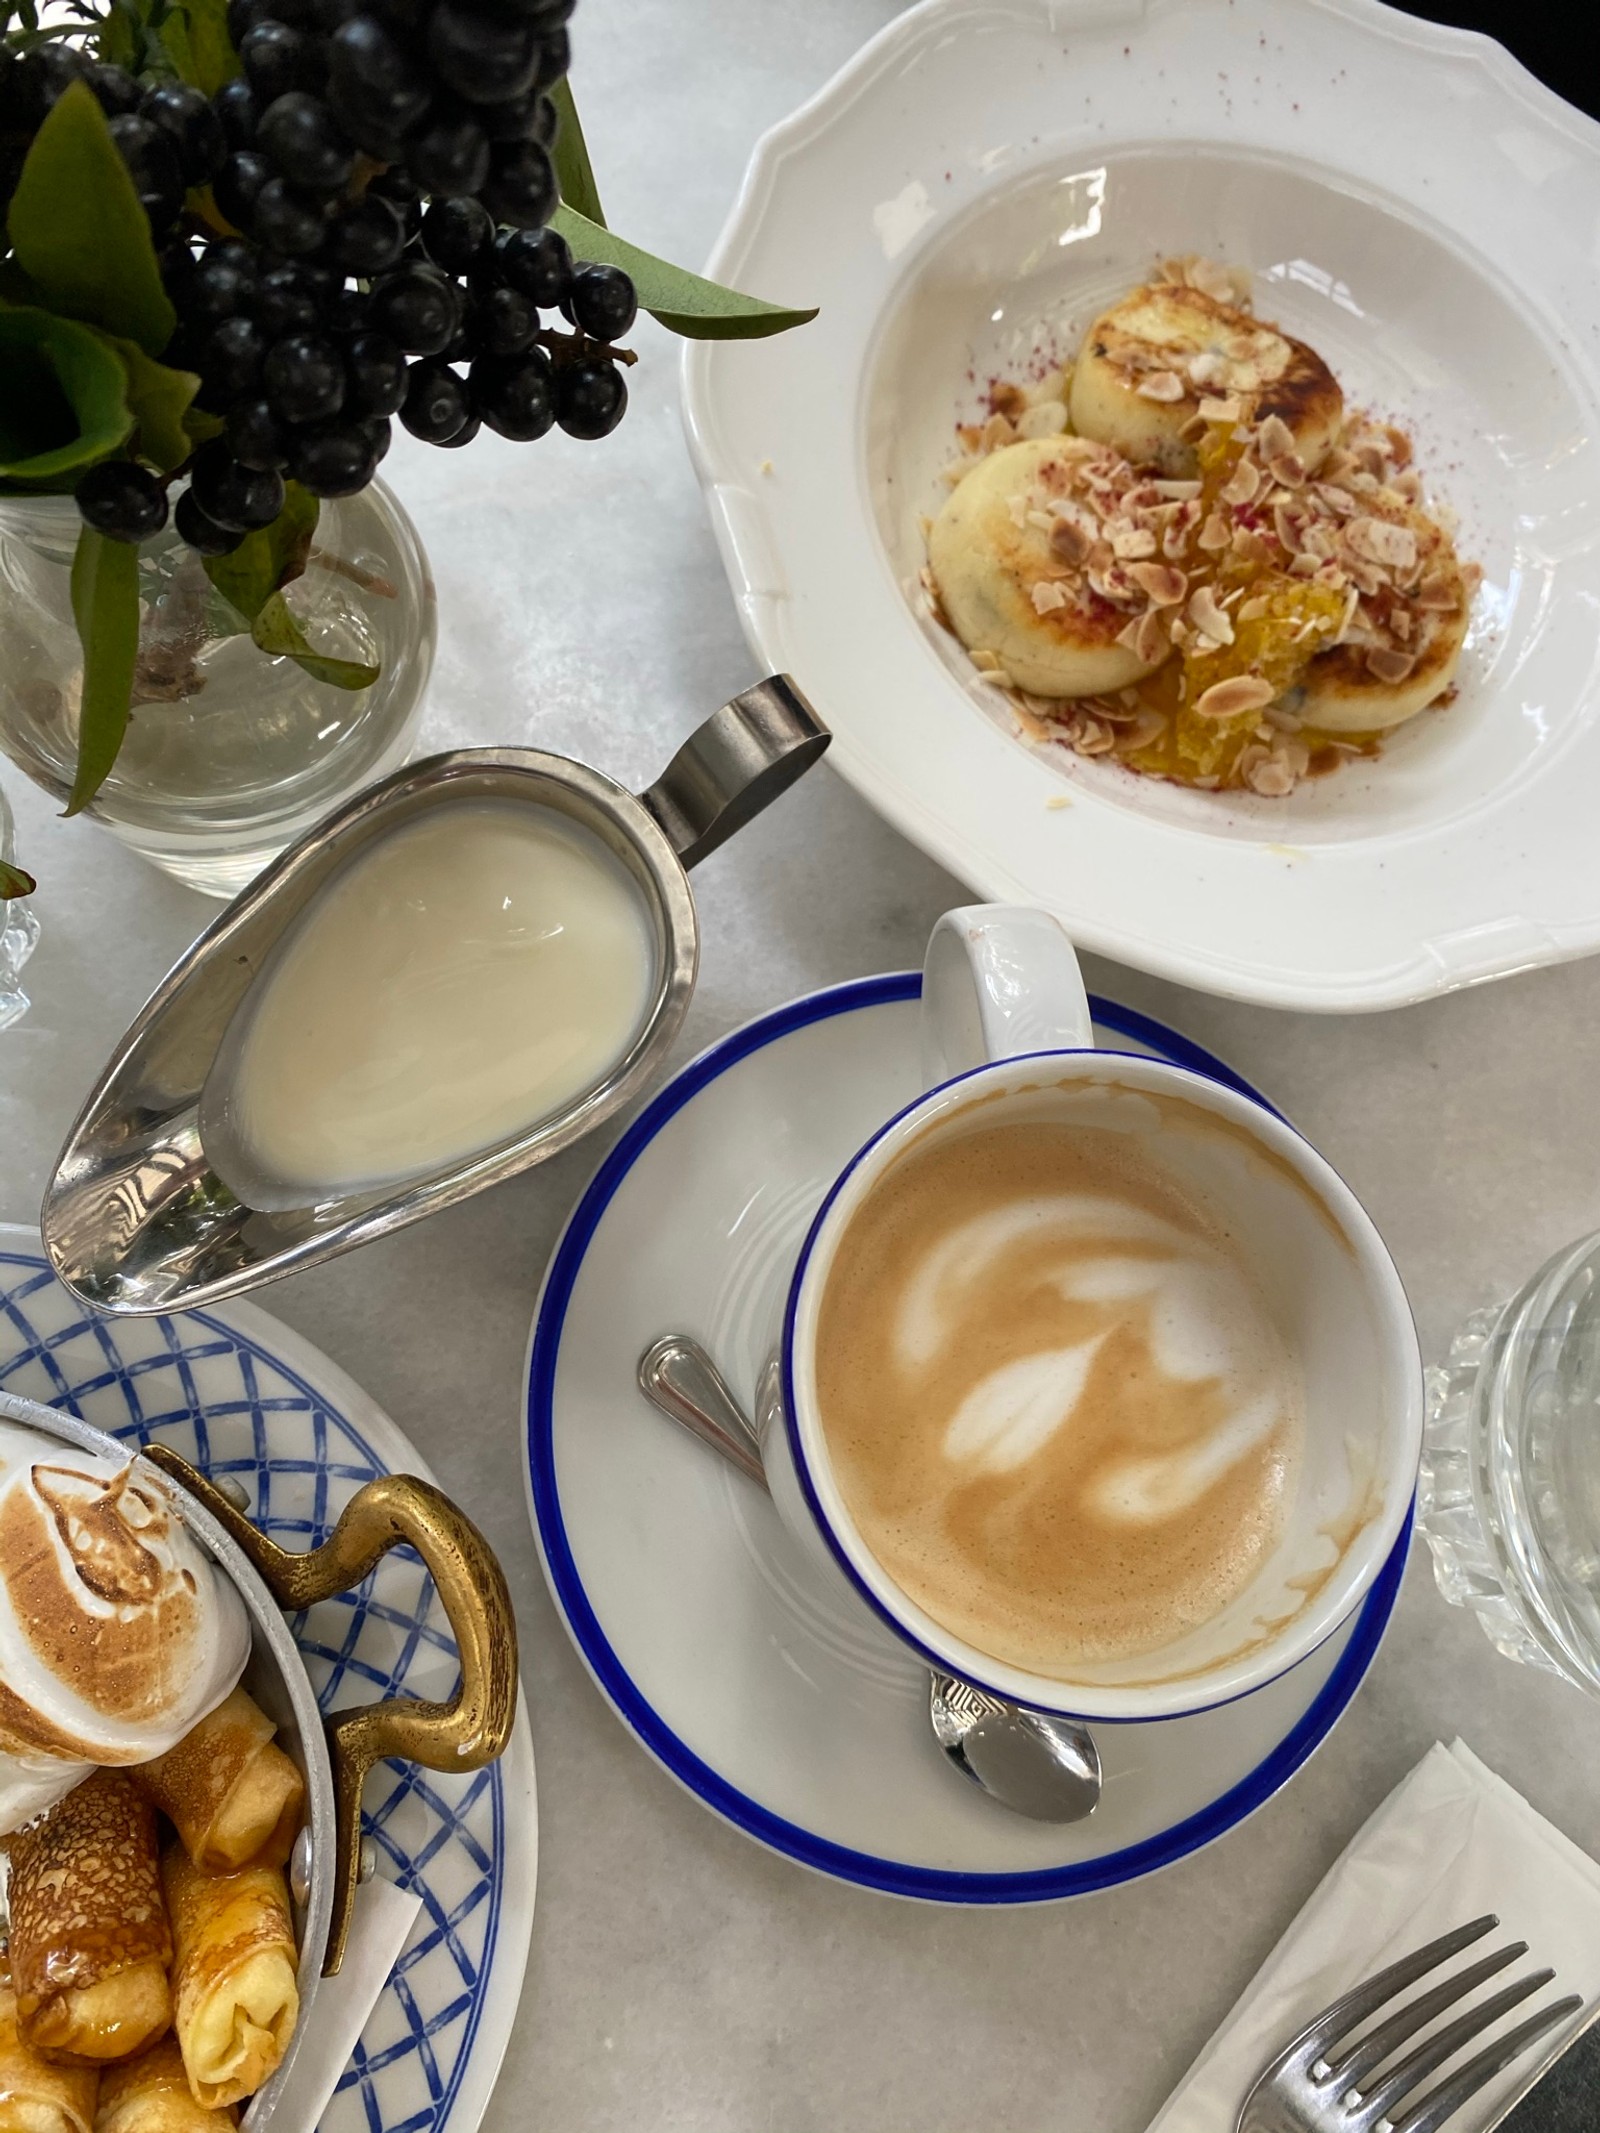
column 1005, row 1019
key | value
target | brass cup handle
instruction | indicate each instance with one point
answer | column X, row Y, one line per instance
column 474, row 1727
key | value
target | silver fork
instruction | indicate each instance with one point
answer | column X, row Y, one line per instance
column 1307, row 2089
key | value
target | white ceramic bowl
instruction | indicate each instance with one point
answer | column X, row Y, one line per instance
column 962, row 198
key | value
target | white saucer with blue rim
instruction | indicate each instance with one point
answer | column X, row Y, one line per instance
column 246, row 1398
column 805, row 1726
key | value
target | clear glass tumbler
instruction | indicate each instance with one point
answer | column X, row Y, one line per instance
column 19, row 932
column 1509, row 1500
column 230, row 754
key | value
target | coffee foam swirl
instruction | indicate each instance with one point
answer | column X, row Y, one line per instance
column 1056, row 1403
column 117, row 1632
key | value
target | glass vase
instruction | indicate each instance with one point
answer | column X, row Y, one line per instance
column 230, row 754
column 1509, row 1501
column 19, row 934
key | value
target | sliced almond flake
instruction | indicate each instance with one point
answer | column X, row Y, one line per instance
column 1243, row 484
column 1047, row 596
column 1283, row 721
column 1303, row 566
column 1288, row 468
column 1160, row 582
column 1162, row 385
column 1234, row 697
column 1250, row 610
column 1376, row 540
column 1147, row 727
column 1177, row 492
column 1249, row 546
column 1274, row 438
column 1044, row 520
column 1017, row 510
column 1128, row 635
column 1221, row 410
column 1332, row 498
column 1153, row 641
column 1400, row 624
column 1129, row 542
column 1437, row 593
column 1387, row 663
column 1069, row 541
column 1214, row 535
column 1193, row 430
column 1204, row 645
column 1094, row 737
column 1352, row 601
column 1048, row 419
column 1204, row 613
column 1286, row 523
column 997, row 431
column 986, row 662
column 1273, row 778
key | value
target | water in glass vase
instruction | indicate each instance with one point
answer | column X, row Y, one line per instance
column 1510, row 1492
column 230, row 754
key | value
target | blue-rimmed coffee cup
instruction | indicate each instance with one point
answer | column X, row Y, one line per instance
column 1007, row 1039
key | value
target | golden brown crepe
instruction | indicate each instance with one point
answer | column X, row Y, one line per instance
column 150, row 2094
column 90, row 1943
column 231, row 1795
column 36, row 2097
column 233, row 1977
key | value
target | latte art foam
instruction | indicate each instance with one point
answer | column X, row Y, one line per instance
column 1057, row 1406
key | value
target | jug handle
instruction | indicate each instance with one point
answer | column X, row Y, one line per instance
column 734, row 765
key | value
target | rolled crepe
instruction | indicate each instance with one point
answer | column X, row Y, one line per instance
column 233, row 1977
column 89, row 1937
column 36, row 2097
column 231, row 1795
column 150, row 2094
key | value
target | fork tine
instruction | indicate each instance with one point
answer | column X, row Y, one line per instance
column 1363, row 2000
column 1380, row 2102
column 1350, row 2071
column 1446, row 2100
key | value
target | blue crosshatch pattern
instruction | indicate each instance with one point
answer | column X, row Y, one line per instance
column 234, row 1409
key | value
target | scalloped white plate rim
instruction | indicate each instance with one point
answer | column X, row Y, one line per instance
column 1411, row 975
column 508, row 1966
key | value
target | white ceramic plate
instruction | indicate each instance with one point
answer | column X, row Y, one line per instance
column 798, row 1717
column 245, row 1397
column 968, row 192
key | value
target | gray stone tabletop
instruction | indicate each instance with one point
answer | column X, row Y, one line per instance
column 680, row 1977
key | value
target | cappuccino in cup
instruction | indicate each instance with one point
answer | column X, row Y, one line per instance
column 1055, row 1399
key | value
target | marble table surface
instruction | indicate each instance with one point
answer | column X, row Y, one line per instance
column 680, row 1977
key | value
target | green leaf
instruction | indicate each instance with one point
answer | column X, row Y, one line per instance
column 79, row 232
column 264, row 562
column 63, row 398
column 195, row 35
column 121, row 37
column 683, row 302
column 574, row 171
column 13, row 882
column 275, row 630
column 159, row 397
column 105, row 606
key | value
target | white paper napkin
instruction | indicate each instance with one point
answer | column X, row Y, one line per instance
column 379, row 1929
column 1451, row 1842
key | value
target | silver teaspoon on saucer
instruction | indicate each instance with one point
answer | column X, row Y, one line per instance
column 1044, row 1768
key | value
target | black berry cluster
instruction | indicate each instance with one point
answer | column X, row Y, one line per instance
column 386, row 165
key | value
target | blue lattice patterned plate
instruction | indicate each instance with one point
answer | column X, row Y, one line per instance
column 241, row 1395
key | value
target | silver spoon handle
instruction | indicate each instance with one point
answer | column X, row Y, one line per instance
column 679, row 1377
